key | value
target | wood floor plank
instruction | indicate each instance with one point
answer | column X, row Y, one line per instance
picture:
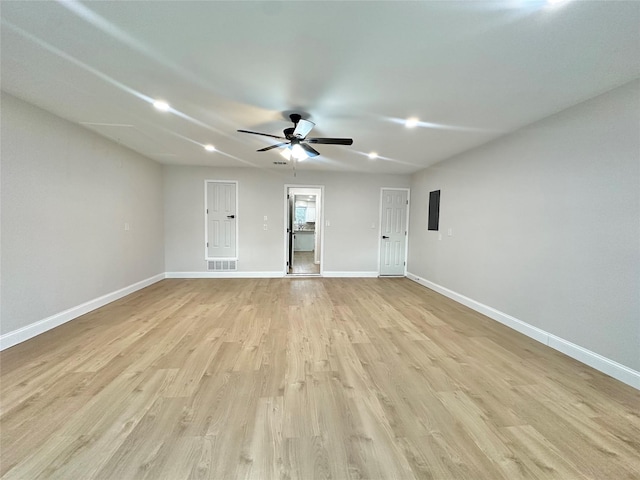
column 545, row 461
column 267, row 440
column 84, row 446
column 305, row 378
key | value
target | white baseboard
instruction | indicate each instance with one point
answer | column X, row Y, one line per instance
column 595, row 360
column 224, row 275
column 25, row 333
column 349, row 274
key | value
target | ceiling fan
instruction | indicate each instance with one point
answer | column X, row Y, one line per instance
column 297, row 143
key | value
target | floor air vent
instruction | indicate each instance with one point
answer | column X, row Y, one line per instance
column 222, row 265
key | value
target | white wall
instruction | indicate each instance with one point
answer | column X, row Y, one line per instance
column 546, row 225
column 351, row 201
column 545, row 222
column 66, row 195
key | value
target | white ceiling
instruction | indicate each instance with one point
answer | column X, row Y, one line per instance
column 470, row 71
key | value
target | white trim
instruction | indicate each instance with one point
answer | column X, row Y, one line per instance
column 36, row 328
column 406, row 222
column 206, row 226
column 595, row 360
column 224, row 275
column 350, row 274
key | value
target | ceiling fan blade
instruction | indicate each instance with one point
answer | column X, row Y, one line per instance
column 303, row 127
column 312, row 152
column 331, row 141
column 271, row 147
column 263, row 134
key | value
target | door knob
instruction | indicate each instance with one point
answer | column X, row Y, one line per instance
column 384, row 236
column 231, row 216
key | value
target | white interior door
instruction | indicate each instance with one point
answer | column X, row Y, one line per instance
column 393, row 229
column 221, row 220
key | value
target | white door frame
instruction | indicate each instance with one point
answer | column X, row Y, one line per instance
column 406, row 238
column 206, row 226
column 319, row 219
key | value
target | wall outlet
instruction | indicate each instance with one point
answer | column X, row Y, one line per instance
column 126, row 226
column 264, row 227
column 327, row 223
column 450, row 232
column 265, row 219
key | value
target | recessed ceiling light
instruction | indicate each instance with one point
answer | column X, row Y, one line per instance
column 373, row 155
column 161, row 105
column 209, row 148
column 411, row 122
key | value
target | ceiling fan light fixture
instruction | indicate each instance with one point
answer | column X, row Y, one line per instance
column 286, row 153
column 298, row 153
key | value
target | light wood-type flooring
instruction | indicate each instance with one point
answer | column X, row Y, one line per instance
column 303, row 264
column 306, row 378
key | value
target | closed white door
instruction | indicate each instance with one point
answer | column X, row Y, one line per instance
column 221, row 220
column 393, row 228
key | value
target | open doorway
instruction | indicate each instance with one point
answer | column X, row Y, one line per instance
column 303, row 238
